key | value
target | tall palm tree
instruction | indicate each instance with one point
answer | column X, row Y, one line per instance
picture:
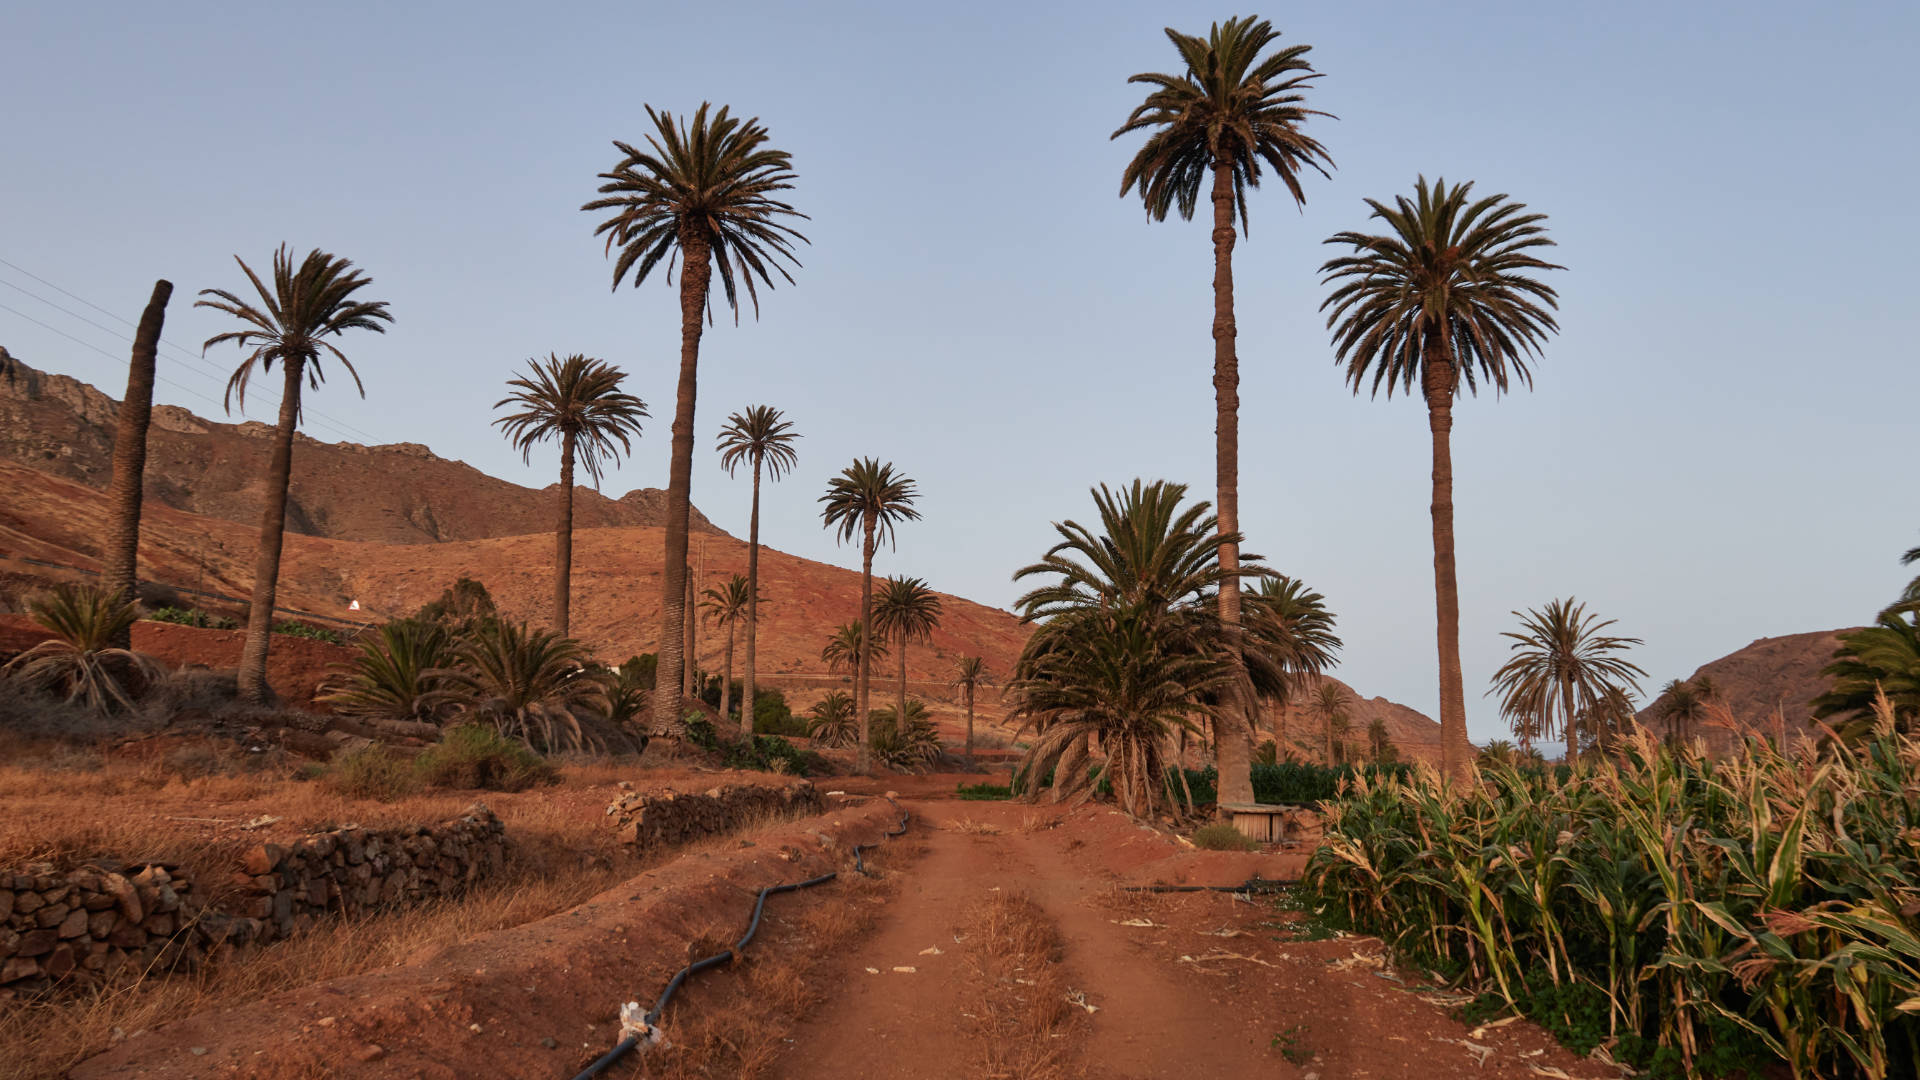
column 1444, row 299
column 727, row 605
column 759, row 435
column 1231, row 111
column 306, row 305
column 969, row 675
column 578, row 400
column 705, row 193
column 1330, row 703
column 121, row 569
column 1682, row 706
column 1380, row 743
column 1563, row 667
column 906, row 611
column 867, row 500
column 842, row 650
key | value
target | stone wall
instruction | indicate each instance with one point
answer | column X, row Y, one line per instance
column 648, row 821
column 88, row 924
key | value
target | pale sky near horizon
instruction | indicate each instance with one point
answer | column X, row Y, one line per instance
column 1718, row 447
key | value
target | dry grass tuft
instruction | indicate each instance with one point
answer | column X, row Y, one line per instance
column 976, row 828
column 1016, row 951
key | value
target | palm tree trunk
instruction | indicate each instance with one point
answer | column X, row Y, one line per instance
column 563, row 539
column 726, row 684
column 1566, row 718
column 667, row 697
column 1438, row 380
column 1232, row 740
column 749, row 695
column 900, row 717
column 1326, row 731
column 862, row 682
column 121, row 572
column 969, row 727
column 273, row 527
column 690, row 687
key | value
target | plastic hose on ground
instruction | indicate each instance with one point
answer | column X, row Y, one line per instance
column 638, row 1027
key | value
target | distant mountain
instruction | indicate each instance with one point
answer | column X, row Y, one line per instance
column 1777, row 673
column 1416, row 734
column 400, row 493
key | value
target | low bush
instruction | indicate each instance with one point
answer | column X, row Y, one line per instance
column 1220, row 836
column 303, row 630
column 476, row 757
column 179, row 616
column 984, row 792
column 372, row 772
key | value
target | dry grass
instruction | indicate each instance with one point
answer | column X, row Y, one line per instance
column 1015, row 951
column 976, row 828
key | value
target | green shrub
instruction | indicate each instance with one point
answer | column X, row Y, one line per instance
column 984, row 792
column 477, row 757
column 303, row 630
column 179, row 616
column 1220, row 836
column 372, row 772
column 773, row 716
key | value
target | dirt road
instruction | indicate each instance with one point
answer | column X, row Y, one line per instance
column 1185, row 985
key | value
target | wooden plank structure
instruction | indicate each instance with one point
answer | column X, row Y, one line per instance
column 1264, row 822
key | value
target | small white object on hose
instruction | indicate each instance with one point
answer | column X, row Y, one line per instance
column 633, row 1025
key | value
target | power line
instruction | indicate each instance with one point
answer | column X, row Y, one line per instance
column 103, row 352
column 317, row 417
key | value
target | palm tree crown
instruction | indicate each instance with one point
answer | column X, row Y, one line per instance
column 867, row 490
column 577, row 400
column 1562, row 667
column 905, row 610
column 1292, row 622
column 759, row 435
column 1231, row 106
column 711, row 182
column 306, row 305
column 1448, row 285
column 842, row 650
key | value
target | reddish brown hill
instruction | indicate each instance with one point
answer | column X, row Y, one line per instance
column 1415, row 734
column 1778, row 673
column 401, row 493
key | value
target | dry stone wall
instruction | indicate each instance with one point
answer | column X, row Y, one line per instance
column 648, row 821
column 90, row 924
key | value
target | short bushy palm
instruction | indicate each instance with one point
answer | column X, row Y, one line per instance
column 1445, row 298
column 709, row 193
column 1562, row 667
column 80, row 663
column 398, row 675
column 867, row 500
column 532, row 685
column 578, row 401
column 290, row 325
column 1682, row 707
column 830, row 721
column 909, row 748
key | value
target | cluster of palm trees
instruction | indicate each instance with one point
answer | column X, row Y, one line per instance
column 1566, row 675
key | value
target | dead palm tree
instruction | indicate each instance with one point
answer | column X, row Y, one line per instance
column 704, row 193
column 842, row 650
column 1231, row 111
column 1444, row 299
column 867, row 500
column 969, row 675
column 121, row 570
column 1330, row 703
column 762, row 437
column 906, row 611
column 1563, row 667
column 578, row 400
column 727, row 605
column 306, row 305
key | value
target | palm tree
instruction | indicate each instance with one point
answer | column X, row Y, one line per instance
column 1880, row 659
column 121, row 567
column 80, row 662
column 399, row 674
column 1444, row 300
column 727, row 605
column 1682, row 706
column 706, row 194
column 907, row 747
column 1330, row 703
column 578, row 400
column 1293, row 623
column 842, row 650
column 867, row 499
column 290, row 326
column 906, row 611
column 761, row 436
column 530, row 684
column 969, row 675
column 1380, row 744
column 831, row 719
column 1562, row 668
column 1909, row 599
column 1231, row 111
column 1498, row 752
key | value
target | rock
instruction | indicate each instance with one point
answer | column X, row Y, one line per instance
column 18, row 967
column 125, row 896
column 370, row 1052
column 28, row 902
column 264, row 859
column 101, row 923
column 37, row 943
column 6, row 904
column 60, row 962
column 74, row 925
column 51, row 915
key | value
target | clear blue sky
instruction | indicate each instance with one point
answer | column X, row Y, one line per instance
column 1719, row 448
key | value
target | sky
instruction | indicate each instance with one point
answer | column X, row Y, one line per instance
column 1717, row 448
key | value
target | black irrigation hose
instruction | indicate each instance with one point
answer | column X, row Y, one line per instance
column 652, row 1018
column 1251, row 885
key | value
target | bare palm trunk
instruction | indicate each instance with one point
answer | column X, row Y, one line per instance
column 668, row 701
column 864, row 679
column 121, row 572
column 273, row 527
column 726, row 684
column 1438, row 378
column 1231, row 737
column 563, row 539
column 1326, row 731
column 690, row 684
column 969, row 727
column 1566, row 716
column 900, row 717
column 749, row 695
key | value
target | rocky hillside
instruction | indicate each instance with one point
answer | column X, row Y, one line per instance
column 402, row 493
column 1412, row 731
column 1777, row 673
